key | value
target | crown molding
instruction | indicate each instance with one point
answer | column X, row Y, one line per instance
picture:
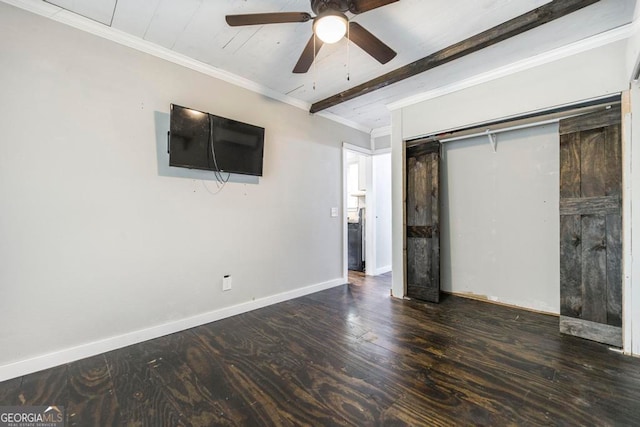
column 342, row 120
column 104, row 31
column 74, row 20
column 66, row 17
column 381, row 131
column 635, row 73
column 602, row 39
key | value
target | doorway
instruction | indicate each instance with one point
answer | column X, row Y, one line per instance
column 367, row 210
column 358, row 182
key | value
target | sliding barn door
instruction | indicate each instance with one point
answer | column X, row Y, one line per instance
column 422, row 221
column 590, row 226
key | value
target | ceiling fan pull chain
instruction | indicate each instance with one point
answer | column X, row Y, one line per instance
column 348, row 54
column 314, row 62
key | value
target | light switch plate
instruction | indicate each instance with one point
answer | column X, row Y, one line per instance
column 226, row 283
column 334, row 212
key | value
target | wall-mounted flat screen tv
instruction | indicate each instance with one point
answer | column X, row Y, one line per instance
column 199, row 140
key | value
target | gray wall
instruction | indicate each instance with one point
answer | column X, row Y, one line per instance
column 382, row 142
column 96, row 241
column 500, row 224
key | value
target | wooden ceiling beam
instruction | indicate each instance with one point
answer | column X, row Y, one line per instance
column 546, row 13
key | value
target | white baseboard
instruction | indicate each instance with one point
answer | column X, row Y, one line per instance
column 68, row 355
column 382, row 270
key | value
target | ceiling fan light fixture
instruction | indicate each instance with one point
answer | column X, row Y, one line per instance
column 330, row 27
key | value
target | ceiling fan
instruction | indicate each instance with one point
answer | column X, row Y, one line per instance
column 329, row 26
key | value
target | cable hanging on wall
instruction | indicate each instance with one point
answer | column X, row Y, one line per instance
column 221, row 181
column 348, row 55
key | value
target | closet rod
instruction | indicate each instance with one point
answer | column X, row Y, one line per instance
column 493, row 132
column 527, row 120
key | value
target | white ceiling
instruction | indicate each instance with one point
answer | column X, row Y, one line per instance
column 413, row 28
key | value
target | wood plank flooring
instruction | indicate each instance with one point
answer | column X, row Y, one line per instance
column 350, row 355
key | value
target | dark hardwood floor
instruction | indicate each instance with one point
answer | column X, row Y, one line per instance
column 350, row 355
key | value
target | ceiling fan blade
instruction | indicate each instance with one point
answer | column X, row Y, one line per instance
column 360, row 6
column 308, row 55
column 370, row 43
column 267, row 18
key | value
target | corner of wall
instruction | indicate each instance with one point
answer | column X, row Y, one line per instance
column 397, row 210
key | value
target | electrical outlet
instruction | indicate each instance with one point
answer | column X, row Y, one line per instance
column 226, row 282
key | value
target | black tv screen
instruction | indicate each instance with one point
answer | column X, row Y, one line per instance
column 199, row 140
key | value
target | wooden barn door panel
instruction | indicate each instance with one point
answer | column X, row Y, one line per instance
column 422, row 222
column 590, row 226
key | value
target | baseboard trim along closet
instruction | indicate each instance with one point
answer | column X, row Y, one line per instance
column 49, row 360
column 495, row 300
